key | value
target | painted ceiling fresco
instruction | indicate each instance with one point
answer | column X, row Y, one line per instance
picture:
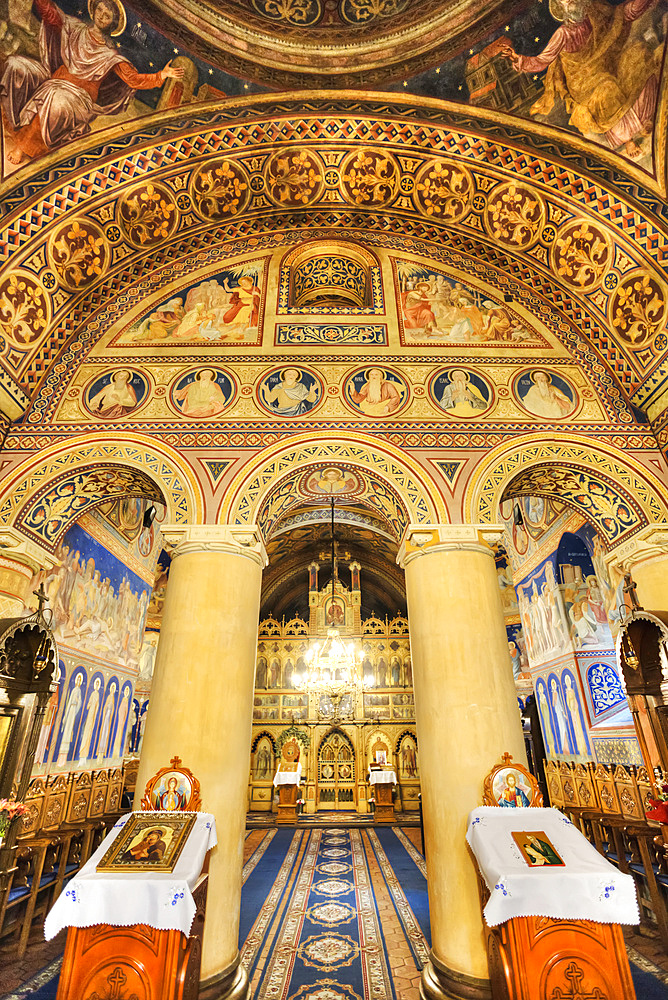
column 593, row 69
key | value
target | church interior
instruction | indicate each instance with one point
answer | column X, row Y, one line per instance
column 333, row 499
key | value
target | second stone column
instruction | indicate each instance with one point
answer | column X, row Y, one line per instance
column 467, row 717
column 201, row 710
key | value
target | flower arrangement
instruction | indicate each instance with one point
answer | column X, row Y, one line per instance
column 9, row 810
column 659, row 810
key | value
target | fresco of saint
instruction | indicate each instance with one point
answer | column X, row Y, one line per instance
column 606, row 77
column 203, row 397
column 544, row 399
column 80, row 74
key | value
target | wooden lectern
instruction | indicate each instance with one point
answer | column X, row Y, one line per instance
column 534, row 957
column 382, row 781
column 140, row 961
column 287, row 780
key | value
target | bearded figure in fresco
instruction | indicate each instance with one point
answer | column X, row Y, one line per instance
column 607, row 79
column 80, row 75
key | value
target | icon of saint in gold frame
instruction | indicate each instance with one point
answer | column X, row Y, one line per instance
column 149, row 842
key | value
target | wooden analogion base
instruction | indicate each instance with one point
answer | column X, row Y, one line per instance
column 531, row 958
column 137, row 961
column 287, row 804
column 384, row 811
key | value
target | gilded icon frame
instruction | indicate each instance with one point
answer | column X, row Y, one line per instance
column 174, row 829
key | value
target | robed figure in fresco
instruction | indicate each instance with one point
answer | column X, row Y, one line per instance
column 80, row 74
column 607, row 79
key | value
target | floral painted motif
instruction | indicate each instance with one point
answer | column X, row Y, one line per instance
column 147, row 214
column 638, row 308
column 514, row 216
column 24, row 309
column 581, row 255
column 219, row 189
column 370, row 178
column 294, row 178
column 299, row 12
column 79, row 253
column 444, row 190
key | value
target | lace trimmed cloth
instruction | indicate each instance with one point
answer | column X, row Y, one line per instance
column 525, row 878
column 288, row 777
column 162, row 900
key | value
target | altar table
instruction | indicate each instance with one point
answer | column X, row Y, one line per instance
column 383, row 783
column 552, row 905
column 135, row 933
column 287, row 783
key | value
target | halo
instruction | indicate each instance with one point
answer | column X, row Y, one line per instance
column 541, row 372
column 122, row 17
column 290, row 368
column 467, row 377
column 198, row 375
column 375, row 368
column 121, row 371
column 557, row 10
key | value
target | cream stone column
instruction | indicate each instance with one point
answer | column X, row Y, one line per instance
column 645, row 557
column 20, row 560
column 467, row 716
column 201, row 709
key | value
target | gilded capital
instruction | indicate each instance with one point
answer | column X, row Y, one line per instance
column 234, row 539
column 426, row 539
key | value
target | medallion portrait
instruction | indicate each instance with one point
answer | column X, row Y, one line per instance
column 376, row 392
column 203, row 393
column 332, row 481
column 545, row 394
column 461, row 393
column 289, row 392
column 116, row 394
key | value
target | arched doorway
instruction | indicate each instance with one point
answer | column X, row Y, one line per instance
column 336, row 772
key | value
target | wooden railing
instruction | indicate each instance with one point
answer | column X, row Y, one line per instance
column 608, row 803
column 68, row 817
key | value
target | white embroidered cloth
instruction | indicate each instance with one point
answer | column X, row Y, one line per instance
column 382, row 778
column 160, row 899
column 288, row 777
column 587, row 887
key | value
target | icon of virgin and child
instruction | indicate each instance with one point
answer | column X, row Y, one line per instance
column 80, row 74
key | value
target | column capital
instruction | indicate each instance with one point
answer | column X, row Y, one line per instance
column 648, row 544
column 234, row 539
column 425, row 539
column 18, row 548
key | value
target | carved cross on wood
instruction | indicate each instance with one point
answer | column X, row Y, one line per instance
column 576, row 991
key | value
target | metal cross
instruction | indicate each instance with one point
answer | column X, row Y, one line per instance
column 630, row 588
column 42, row 598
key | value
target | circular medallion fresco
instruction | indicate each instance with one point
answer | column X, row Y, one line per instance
column 376, row 393
column 638, row 308
column 545, row 394
column 289, row 392
column 333, row 887
column 462, row 393
column 116, row 394
column 330, row 480
column 202, row 393
column 331, row 914
column 328, row 952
